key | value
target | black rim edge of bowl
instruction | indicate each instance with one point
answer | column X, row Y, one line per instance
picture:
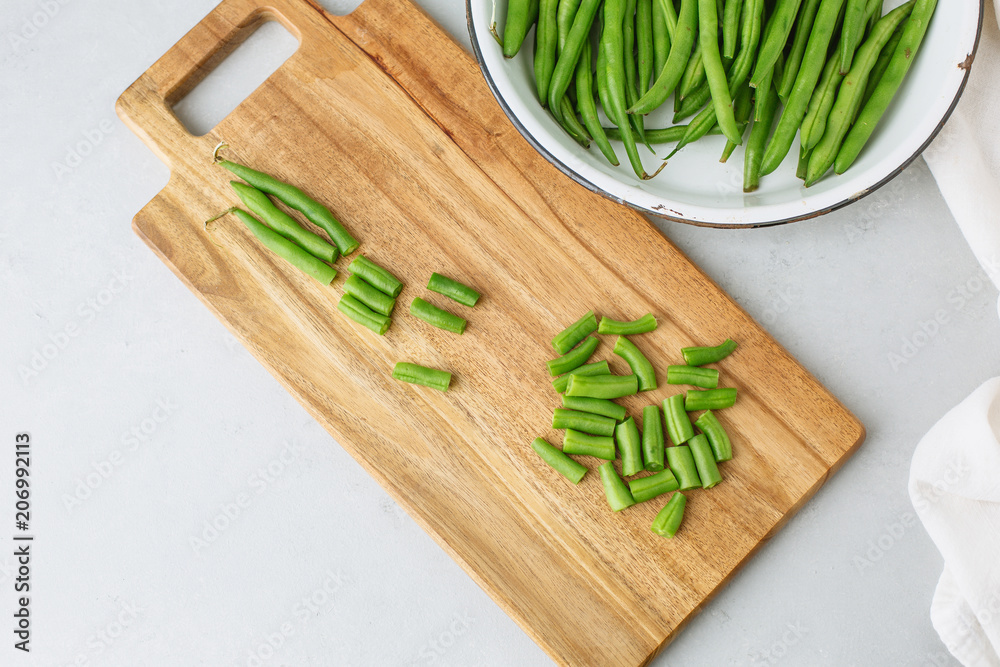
column 558, row 164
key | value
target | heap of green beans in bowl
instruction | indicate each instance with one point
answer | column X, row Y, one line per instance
column 759, row 72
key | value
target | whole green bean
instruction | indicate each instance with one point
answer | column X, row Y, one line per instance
column 283, row 223
column 709, row 399
column 704, row 461
column 851, row 33
column 803, row 162
column 565, row 13
column 814, row 122
column 899, row 64
column 566, row 117
column 692, row 103
column 707, row 378
column 668, row 520
column 730, row 27
column 363, row 315
column 679, row 428
column 767, row 103
column 546, row 41
column 596, row 368
column 708, row 37
column 743, row 105
column 453, row 289
column 647, row 488
column 682, row 464
column 652, row 438
column 851, row 91
column 680, row 51
column 775, row 38
column 376, row 300
column 638, row 362
column 436, row 317
column 664, row 135
column 644, row 324
column 582, row 421
column 878, row 70
column 629, row 60
column 644, row 43
column 282, row 247
column 670, row 14
column 699, row 126
column 716, row 434
column 630, row 446
column 422, row 375
column 566, row 340
column 521, row 15
column 572, row 359
column 565, row 67
column 693, row 75
column 661, row 40
column 803, row 28
column 602, row 386
column 375, row 275
column 294, row 198
column 588, row 109
column 699, row 356
column 598, row 446
column 558, row 461
column 874, row 11
column 597, row 406
column 615, row 490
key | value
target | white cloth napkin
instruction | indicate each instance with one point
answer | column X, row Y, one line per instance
column 955, row 473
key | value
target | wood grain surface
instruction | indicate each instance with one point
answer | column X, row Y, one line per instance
column 383, row 117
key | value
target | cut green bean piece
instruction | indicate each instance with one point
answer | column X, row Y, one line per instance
column 428, row 377
column 453, row 289
column 375, row 275
column 603, row 386
column 434, row 316
column 679, row 428
column 375, row 299
column 709, row 424
column 699, row 356
column 704, row 461
column 647, row 488
column 572, row 359
column 583, row 444
column 710, row 399
column 583, row 421
column 707, row 378
column 283, row 223
column 558, row 461
column 287, row 250
column 637, row 361
column 615, row 490
column 682, row 463
column 596, row 368
column 630, row 446
column 597, row 406
column 652, row 438
column 363, row 315
column 668, row 521
column 644, row 324
column 567, row 339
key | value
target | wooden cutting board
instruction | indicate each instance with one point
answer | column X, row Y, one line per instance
column 383, row 117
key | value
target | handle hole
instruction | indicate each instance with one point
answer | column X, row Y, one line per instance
column 235, row 77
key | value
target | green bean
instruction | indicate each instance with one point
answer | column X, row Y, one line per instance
column 427, row 377
column 679, row 428
column 629, row 444
column 644, row 43
column 614, row 488
column 588, row 109
column 558, row 461
column 699, row 356
column 668, row 520
column 569, row 55
column 283, row 223
column 565, row 13
column 707, row 378
column 851, row 33
column 601, row 69
column 767, row 103
column 692, row 103
column 375, row 275
column 637, row 361
column 709, row 424
column 851, row 91
column 363, row 315
column 805, row 83
column 603, row 386
column 566, row 117
column 704, row 461
column 899, row 64
column 521, row 15
column 803, row 163
column 709, row 399
column 661, row 39
column 743, row 106
column 730, row 27
column 596, row 368
column 652, row 438
column 803, row 27
column 294, row 198
column 437, row 317
column 814, row 123
column 874, row 11
column 583, row 421
column 453, row 289
column 664, row 135
column 598, row 446
column 701, row 125
column 567, row 339
column 681, row 462
column 647, row 488
column 629, row 60
column 670, row 15
column 546, row 40
column 680, row 51
column 644, row 324
column 878, row 70
column 597, row 406
column 378, row 301
column 708, row 37
column 572, row 359
column 693, row 75
column 775, row 38
column 282, row 247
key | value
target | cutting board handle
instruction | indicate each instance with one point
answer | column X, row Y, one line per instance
column 146, row 106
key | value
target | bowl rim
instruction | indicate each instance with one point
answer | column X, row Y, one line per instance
column 966, row 66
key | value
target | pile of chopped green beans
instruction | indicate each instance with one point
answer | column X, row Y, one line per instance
column 667, row 455
column 823, row 69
